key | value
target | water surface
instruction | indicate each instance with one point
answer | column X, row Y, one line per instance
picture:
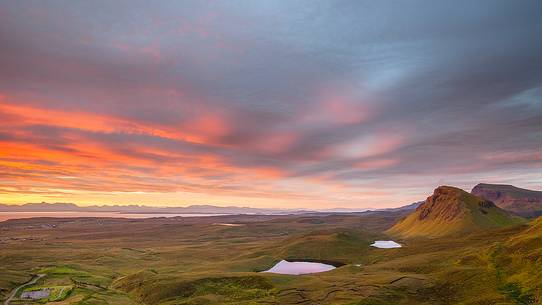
column 297, row 268
column 18, row 215
column 385, row 244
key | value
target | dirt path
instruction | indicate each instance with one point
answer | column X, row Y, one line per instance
column 14, row 292
column 61, row 292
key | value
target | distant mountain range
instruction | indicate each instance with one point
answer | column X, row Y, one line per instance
column 451, row 211
column 523, row 202
column 130, row 209
column 193, row 209
column 408, row 207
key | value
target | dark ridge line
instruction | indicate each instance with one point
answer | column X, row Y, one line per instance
column 406, row 277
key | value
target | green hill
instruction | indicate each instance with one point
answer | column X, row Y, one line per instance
column 518, row 263
column 450, row 211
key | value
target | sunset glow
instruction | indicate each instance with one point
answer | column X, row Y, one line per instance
column 225, row 105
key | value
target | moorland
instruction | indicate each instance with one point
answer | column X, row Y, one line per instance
column 220, row 259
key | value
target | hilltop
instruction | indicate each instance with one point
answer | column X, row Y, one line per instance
column 527, row 203
column 450, row 211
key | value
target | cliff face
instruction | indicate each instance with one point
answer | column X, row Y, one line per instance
column 449, row 211
column 527, row 203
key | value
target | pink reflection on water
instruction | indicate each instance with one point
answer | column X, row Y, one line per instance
column 297, row 268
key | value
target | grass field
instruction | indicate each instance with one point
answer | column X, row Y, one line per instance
column 197, row 261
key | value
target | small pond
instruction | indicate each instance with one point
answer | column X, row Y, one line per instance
column 36, row 294
column 299, row 267
column 385, row 244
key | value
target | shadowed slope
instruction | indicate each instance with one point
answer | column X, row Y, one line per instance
column 451, row 210
column 523, row 202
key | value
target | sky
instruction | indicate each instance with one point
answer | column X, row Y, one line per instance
column 287, row 104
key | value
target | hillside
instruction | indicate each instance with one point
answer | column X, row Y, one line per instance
column 450, row 211
column 519, row 264
column 527, row 203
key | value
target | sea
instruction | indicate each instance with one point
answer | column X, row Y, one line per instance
column 18, row 215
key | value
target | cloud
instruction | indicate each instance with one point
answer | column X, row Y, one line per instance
column 264, row 102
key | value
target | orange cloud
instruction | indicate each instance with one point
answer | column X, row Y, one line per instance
column 207, row 127
column 35, row 167
column 201, row 129
column 80, row 158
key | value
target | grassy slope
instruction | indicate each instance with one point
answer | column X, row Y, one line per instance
column 469, row 215
column 519, row 262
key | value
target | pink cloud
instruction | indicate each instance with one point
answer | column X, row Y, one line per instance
column 273, row 143
column 374, row 144
column 376, row 164
column 513, row 156
column 338, row 106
